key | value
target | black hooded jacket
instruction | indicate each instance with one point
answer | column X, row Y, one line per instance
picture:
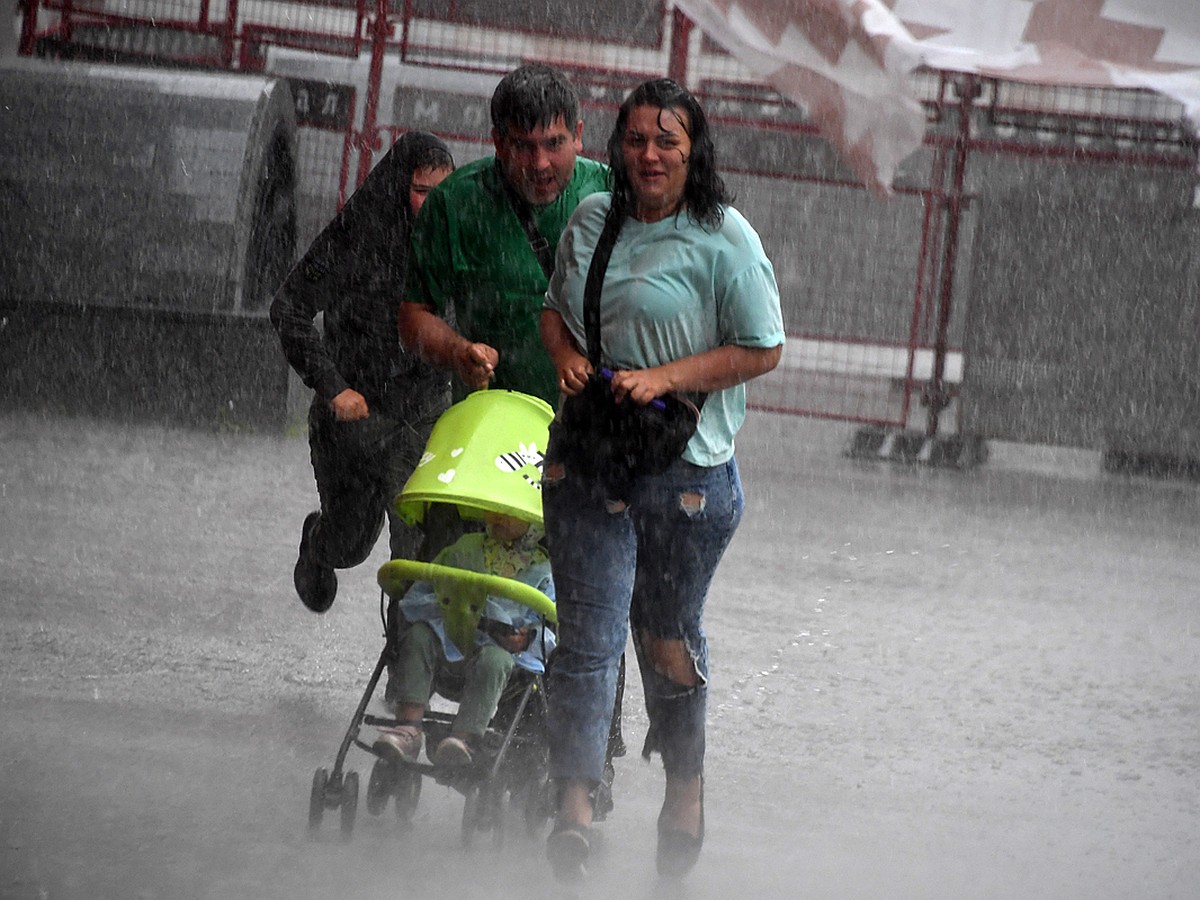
column 354, row 273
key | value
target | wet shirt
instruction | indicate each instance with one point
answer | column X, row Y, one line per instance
column 471, row 259
column 673, row 289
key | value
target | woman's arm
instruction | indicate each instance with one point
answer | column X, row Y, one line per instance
column 573, row 367
column 712, row 370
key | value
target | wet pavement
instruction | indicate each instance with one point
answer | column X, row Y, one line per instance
column 926, row 683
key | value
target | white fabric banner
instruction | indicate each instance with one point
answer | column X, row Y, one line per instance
column 848, row 61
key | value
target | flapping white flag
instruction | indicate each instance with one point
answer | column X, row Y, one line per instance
column 848, row 62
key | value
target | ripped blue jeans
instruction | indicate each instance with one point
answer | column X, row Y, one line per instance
column 645, row 564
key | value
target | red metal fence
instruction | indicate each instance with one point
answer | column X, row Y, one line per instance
column 876, row 295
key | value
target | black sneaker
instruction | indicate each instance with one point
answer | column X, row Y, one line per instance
column 316, row 584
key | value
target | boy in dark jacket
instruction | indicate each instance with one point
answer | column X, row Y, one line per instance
column 374, row 404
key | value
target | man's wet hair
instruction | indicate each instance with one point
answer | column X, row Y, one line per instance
column 533, row 96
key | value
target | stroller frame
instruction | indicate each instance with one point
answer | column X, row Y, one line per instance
column 514, row 760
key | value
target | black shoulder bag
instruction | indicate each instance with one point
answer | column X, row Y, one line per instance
column 617, row 443
column 537, row 241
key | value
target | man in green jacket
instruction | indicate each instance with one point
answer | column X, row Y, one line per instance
column 475, row 284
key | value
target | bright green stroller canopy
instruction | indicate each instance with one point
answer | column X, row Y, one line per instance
column 484, row 455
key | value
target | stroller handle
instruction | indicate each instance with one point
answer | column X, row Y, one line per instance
column 396, row 575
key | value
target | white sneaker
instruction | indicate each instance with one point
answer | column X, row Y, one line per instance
column 402, row 742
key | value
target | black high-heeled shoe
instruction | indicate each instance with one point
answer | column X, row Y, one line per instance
column 678, row 850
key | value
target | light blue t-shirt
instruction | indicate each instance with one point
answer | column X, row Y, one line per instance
column 673, row 289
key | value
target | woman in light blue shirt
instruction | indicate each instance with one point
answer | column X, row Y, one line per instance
column 690, row 305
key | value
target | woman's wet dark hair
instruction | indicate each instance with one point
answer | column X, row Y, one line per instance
column 533, row 96
column 704, row 192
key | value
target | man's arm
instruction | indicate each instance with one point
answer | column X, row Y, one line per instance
column 422, row 330
column 293, row 313
column 431, row 337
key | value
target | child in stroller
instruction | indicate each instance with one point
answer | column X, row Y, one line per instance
column 465, row 654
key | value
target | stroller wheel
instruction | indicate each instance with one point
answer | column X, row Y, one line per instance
column 349, row 803
column 379, row 786
column 539, row 804
column 602, row 800
column 483, row 811
column 493, row 812
column 407, row 784
column 316, row 800
column 470, row 816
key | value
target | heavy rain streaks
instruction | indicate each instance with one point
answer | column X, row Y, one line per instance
column 941, row 666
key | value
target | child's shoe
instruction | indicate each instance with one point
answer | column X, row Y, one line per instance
column 452, row 753
column 400, row 743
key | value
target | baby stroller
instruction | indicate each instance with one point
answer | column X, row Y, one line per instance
column 485, row 454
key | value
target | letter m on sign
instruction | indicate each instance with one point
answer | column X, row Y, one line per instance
column 426, row 111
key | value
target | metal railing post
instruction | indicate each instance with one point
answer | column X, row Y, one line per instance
column 938, row 396
column 368, row 142
column 230, row 33
column 677, row 60
column 28, row 27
